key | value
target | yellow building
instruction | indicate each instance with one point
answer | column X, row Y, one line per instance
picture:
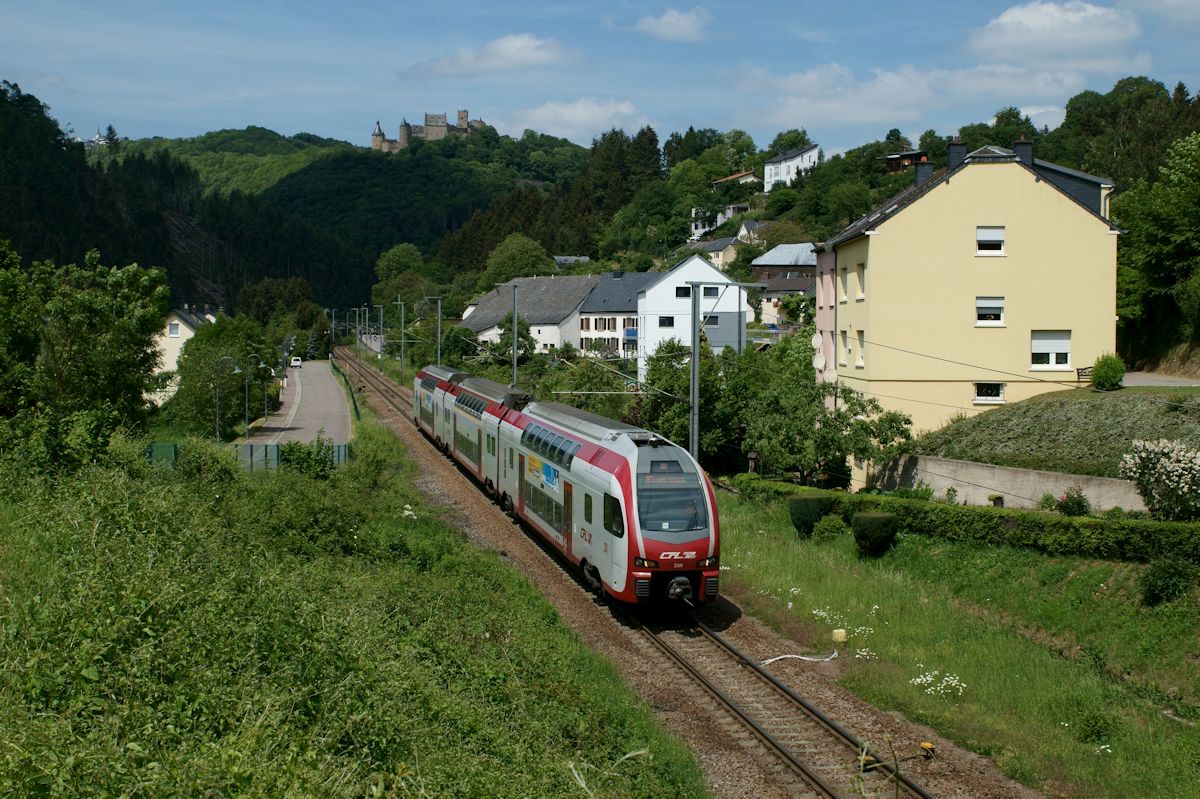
column 989, row 282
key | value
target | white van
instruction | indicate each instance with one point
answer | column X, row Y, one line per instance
column 296, row 361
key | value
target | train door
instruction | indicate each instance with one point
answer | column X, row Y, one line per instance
column 521, row 485
column 479, row 452
column 568, row 517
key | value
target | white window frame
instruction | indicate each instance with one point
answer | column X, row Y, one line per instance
column 712, row 320
column 990, row 234
column 712, row 291
column 683, row 292
column 666, row 321
column 172, row 329
column 860, row 273
column 985, row 399
column 1056, row 345
column 845, row 349
column 989, row 306
column 862, row 346
column 844, row 280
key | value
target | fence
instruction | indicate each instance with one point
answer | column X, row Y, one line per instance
column 252, row 457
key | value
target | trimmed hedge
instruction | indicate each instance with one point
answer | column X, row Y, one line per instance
column 809, row 508
column 874, row 531
column 1086, row 536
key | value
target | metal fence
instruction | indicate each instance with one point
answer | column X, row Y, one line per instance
column 252, row 457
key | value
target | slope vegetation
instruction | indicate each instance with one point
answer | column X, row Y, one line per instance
column 1078, row 432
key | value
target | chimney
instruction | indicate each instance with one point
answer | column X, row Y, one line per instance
column 924, row 171
column 957, row 152
column 1024, row 151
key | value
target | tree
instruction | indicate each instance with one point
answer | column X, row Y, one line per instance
column 664, row 403
column 793, row 139
column 77, row 353
column 516, row 256
column 792, row 430
column 402, row 258
column 203, row 365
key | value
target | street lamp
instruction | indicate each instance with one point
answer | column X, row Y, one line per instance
column 217, row 383
column 260, row 365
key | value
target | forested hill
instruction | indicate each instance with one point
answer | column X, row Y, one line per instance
column 369, row 200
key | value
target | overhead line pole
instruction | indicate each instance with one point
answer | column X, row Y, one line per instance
column 515, row 327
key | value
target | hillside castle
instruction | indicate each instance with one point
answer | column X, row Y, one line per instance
column 435, row 127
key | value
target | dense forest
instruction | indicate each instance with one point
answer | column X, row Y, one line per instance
column 223, row 211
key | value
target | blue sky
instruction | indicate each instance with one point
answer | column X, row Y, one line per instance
column 847, row 72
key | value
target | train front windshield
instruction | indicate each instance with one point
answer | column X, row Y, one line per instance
column 671, row 501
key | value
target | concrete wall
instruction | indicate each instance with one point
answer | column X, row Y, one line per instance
column 1021, row 488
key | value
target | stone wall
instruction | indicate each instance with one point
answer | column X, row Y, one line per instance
column 976, row 483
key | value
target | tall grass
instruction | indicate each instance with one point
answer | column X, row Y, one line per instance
column 204, row 631
column 1047, row 665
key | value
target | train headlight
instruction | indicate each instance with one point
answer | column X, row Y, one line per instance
column 642, row 563
column 707, row 563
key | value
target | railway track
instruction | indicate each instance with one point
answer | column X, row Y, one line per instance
column 808, row 749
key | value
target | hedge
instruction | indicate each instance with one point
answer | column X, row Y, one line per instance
column 1053, row 533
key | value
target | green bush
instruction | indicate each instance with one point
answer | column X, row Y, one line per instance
column 807, row 509
column 874, row 532
column 1127, row 538
column 1073, row 502
column 313, row 459
column 753, row 487
column 830, row 526
column 1166, row 579
column 1107, row 372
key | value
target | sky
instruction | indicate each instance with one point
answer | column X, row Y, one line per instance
column 847, row 72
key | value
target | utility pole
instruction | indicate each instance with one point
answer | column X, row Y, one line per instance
column 694, row 415
column 439, row 327
column 379, row 340
column 515, row 326
column 402, row 334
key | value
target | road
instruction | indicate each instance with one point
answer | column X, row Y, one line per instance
column 313, row 401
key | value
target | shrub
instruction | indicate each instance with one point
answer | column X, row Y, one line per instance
column 807, row 509
column 874, row 532
column 1167, row 475
column 313, row 459
column 1166, row 579
column 919, row 491
column 1107, row 372
column 1073, row 503
column 1096, row 727
column 753, row 487
column 829, row 527
column 1048, row 502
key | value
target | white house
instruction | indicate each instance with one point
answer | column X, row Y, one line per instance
column 181, row 325
column 784, row 167
column 549, row 304
column 665, row 309
column 608, row 321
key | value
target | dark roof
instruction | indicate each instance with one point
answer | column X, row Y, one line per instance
column 617, row 292
column 567, row 260
column 716, row 245
column 1075, row 173
column 791, row 285
column 788, row 155
column 192, row 320
column 540, row 300
column 987, row 154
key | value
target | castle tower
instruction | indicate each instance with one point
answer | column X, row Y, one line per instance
column 377, row 138
column 463, row 120
column 405, row 134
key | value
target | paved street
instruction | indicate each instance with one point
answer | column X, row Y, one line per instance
column 313, row 401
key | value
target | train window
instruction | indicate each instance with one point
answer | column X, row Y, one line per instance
column 613, row 521
column 510, row 458
column 587, row 508
column 557, row 450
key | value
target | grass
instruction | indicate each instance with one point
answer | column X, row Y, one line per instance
column 205, row 631
column 1076, row 431
column 1049, row 666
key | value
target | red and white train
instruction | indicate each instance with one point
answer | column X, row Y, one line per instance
column 635, row 512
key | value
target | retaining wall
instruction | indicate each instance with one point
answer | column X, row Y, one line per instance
column 976, row 483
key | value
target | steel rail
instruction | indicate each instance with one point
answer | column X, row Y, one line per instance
column 809, row 709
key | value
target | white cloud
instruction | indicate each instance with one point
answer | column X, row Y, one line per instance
column 832, row 94
column 580, row 120
column 1050, row 116
column 1074, row 34
column 508, row 53
column 675, row 25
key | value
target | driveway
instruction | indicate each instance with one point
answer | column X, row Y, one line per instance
column 313, row 401
column 1157, row 379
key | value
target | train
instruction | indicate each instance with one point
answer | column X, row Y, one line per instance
column 633, row 511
